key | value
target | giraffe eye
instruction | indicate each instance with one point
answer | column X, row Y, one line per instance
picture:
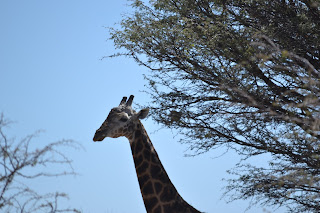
column 123, row 119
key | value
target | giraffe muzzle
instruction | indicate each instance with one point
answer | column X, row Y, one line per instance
column 98, row 136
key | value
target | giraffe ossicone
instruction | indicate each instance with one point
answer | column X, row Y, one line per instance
column 158, row 193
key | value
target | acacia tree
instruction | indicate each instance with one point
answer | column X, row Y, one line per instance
column 240, row 74
column 23, row 161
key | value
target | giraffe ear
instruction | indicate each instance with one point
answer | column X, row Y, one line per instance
column 143, row 113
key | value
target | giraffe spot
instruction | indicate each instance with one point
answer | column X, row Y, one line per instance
column 175, row 207
column 150, row 203
column 143, row 179
column 168, row 194
column 155, row 171
column 137, row 134
column 138, row 146
column 138, row 126
column 167, row 208
column 178, row 207
column 145, row 140
column 138, row 160
column 158, row 174
column 157, row 210
column 148, row 189
column 141, row 169
column 147, row 154
column 158, row 187
column 154, row 159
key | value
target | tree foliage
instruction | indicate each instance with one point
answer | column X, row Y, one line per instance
column 21, row 162
column 239, row 74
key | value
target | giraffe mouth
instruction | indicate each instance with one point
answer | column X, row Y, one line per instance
column 96, row 140
column 98, row 137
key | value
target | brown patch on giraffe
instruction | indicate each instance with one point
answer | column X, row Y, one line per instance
column 158, row 210
column 130, row 128
column 150, row 203
column 138, row 146
column 147, row 154
column 138, row 160
column 137, row 134
column 175, row 207
column 143, row 179
column 167, row 208
column 145, row 140
column 148, row 188
column 158, row 174
column 155, row 171
column 154, row 160
column 142, row 168
column 158, row 187
column 168, row 194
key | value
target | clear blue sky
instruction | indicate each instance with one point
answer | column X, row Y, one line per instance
column 52, row 78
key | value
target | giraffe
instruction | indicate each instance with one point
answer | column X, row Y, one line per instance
column 158, row 193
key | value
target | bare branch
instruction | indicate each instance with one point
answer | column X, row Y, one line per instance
column 20, row 161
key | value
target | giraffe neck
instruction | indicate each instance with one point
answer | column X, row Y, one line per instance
column 158, row 192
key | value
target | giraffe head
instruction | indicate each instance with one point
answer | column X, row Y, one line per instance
column 120, row 121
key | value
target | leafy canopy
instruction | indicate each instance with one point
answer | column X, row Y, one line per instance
column 240, row 74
